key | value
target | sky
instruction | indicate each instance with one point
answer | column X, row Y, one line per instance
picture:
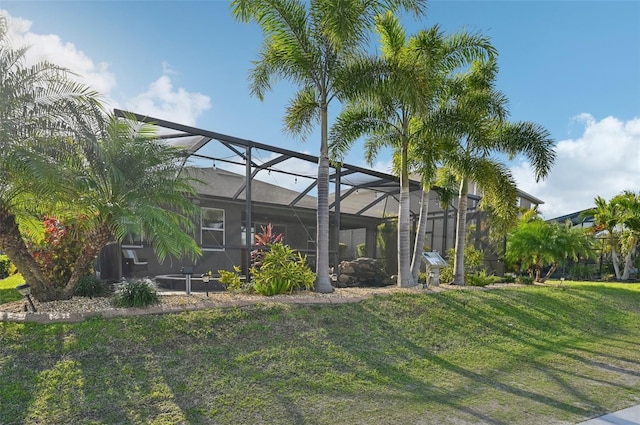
column 571, row 66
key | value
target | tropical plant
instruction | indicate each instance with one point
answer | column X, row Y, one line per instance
column 282, row 271
column 392, row 103
column 308, row 43
column 606, row 217
column 91, row 286
column 478, row 113
column 263, row 241
column 55, row 248
column 35, row 107
column 535, row 243
column 231, row 279
column 482, row 279
column 122, row 174
column 620, row 219
column 136, row 293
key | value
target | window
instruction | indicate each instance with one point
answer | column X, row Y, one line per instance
column 212, row 229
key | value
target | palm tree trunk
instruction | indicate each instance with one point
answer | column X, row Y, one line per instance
column 422, row 226
column 628, row 260
column 552, row 269
column 96, row 240
column 323, row 280
column 614, row 259
column 405, row 279
column 15, row 248
column 461, row 227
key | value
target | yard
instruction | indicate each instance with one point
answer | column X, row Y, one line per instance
column 525, row 355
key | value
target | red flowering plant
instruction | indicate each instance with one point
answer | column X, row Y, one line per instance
column 263, row 241
column 57, row 249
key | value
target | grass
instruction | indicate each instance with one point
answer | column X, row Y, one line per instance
column 7, row 288
column 530, row 355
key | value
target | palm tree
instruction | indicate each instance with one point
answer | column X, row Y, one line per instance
column 119, row 174
column 479, row 113
column 606, row 216
column 308, row 42
column 536, row 243
column 392, row 99
column 35, row 102
column 629, row 206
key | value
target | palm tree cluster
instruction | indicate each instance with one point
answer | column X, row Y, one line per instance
column 429, row 97
column 617, row 221
column 62, row 156
column 535, row 244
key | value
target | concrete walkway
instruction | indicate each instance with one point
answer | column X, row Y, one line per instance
column 629, row 416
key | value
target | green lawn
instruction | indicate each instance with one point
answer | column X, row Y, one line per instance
column 532, row 355
column 7, row 291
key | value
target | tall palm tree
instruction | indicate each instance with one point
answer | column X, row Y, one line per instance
column 392, row 99
column 479, row 113
column 35, row 102
column 308, row 42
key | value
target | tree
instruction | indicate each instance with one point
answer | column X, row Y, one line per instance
column 392, row 100
column 535, row 243
column 120, row 175
column 620, row 217
column 478, row 115
column 35, row 103
column 308, row 43
column 606, row 217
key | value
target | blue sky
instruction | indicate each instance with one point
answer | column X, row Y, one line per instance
column 571, row 66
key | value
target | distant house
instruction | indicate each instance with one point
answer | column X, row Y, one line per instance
column 247, row 185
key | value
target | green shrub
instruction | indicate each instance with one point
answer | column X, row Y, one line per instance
column 362, row 250
column 446, row 274
column 5, row 266
column 282, row 271
column 524, row 280
column 581, row 272
column 231, row 279
column 481, row 279
column 136, row 293
column 509, row 278
column 90, row 286
column 609, row 277
column 422, row 278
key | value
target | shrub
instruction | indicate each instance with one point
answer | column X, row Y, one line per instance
column 282, row 271
column 422, row 278
column 231, row 279
column 264, row 240
column 362, row 250
column 481, row 279
column 509, row 278
column 136, row 293
column 57, row 248
column 524, row 280
column 446, row 274
column 5, row 266
column 90, row 286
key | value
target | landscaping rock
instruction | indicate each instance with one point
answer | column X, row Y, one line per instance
column 362, row 272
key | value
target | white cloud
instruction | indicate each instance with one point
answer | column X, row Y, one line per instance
column 162, row 101
column 51, row 48
column 603, row 161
